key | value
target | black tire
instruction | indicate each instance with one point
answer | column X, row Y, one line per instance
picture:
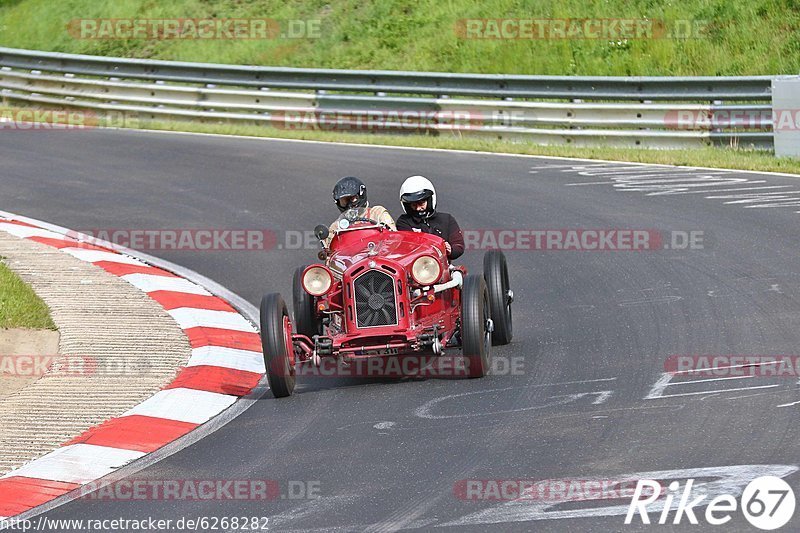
column 305, row 318
column 495, row 272
column 280, row 371
column 475, row 339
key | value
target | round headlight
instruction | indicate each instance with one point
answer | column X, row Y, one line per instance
column 317, row 281
column 426, row 270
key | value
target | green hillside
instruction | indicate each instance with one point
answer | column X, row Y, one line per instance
column 732, row 37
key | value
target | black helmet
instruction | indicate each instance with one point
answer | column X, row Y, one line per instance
column 350, row 186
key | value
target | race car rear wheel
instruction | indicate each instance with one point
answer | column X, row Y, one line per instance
column 305, row 318
column 276, row 344
column 476, row 326
column 495, row 272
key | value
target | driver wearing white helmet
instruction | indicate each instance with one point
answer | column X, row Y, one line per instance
column 418, row 198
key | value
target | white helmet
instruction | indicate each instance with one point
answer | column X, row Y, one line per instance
column 415, row 189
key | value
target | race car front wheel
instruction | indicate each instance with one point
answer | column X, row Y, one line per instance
column 476, row 326
column 276, row 344
column 495, row 272
column 305, row 319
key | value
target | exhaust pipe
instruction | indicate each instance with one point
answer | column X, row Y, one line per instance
column 457, row 281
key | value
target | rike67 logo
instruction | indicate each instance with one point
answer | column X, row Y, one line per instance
column 767, row 502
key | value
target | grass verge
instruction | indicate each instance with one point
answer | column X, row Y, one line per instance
column 725, row 37
column 19, row 305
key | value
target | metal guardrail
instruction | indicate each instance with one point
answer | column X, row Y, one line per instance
column 651, row 112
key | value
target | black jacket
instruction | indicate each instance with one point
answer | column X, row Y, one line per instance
column 442, row 224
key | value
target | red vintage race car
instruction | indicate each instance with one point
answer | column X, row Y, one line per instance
column 385, row 294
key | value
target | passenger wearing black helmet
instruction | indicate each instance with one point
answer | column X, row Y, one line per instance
column 351, row 193
column 418, row 198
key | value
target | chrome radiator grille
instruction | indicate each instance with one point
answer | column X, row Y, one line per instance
column 376, row 304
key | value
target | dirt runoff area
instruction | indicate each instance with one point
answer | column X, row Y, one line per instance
column 26, row 355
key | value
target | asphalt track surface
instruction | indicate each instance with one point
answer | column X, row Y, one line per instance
column 592, row 331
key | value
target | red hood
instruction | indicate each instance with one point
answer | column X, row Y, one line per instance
column 402, row 247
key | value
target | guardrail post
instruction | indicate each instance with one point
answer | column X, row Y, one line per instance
column 786, row 116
